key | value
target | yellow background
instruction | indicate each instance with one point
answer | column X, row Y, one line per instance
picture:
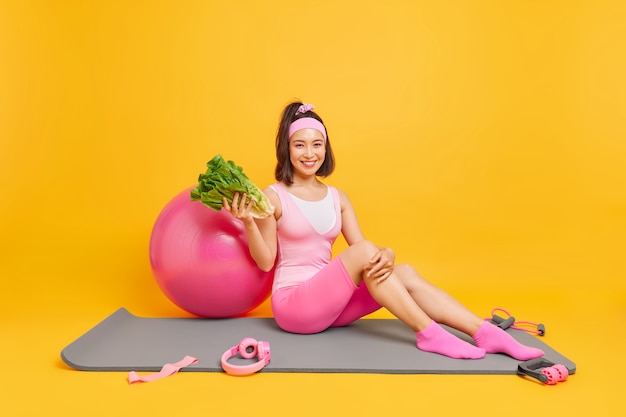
column 483, row 140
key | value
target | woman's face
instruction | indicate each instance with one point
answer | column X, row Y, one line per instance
column 307, row 151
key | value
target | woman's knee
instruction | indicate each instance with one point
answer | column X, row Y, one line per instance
column 357, row 256
column 361, row 251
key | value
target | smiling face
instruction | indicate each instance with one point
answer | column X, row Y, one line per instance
column 307, row 151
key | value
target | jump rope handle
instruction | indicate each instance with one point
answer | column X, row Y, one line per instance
column 541, row 329
column 502, row 322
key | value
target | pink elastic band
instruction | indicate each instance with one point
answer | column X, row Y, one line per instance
column 167, row 370
column 307, row 123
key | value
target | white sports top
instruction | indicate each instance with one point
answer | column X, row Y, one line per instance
column 320, row 214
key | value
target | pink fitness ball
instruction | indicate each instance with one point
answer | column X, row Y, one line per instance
column 200, row 260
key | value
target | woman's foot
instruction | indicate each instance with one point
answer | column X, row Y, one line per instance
column 495, row 340
column 436, row 339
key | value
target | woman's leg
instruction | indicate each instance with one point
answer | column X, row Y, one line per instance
column 361, row 304
column 443, row 308
column 318, row 302
column 393, row 294
column 438, row 304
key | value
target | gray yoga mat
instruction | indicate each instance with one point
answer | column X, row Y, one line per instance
column 124, row 342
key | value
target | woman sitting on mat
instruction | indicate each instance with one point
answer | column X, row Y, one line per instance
column 311, row 290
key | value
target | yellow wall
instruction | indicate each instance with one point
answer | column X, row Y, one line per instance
column 483, row 140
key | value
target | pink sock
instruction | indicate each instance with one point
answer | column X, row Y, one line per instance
column 495, row 340
column 436, row 339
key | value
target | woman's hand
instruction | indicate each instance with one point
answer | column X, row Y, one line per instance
column 239, row 209
column 381, row 265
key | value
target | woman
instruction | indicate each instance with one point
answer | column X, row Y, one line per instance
column 311, row 290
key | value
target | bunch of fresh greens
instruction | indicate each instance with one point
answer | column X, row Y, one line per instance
column 224, row 179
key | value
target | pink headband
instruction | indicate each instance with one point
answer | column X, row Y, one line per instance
column 307, row 123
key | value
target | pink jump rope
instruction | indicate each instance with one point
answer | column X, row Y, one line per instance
column 509, row 322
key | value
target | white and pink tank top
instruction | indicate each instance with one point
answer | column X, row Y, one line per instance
column 306, row 233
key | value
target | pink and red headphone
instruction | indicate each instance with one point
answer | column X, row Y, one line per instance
column 248, row 348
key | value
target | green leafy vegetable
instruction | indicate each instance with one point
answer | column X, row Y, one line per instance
column 224, row 179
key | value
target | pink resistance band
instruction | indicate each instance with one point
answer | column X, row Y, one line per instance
column 307, row 123
column 167, row 370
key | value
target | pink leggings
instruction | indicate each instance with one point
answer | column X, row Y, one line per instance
column 328, row 299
